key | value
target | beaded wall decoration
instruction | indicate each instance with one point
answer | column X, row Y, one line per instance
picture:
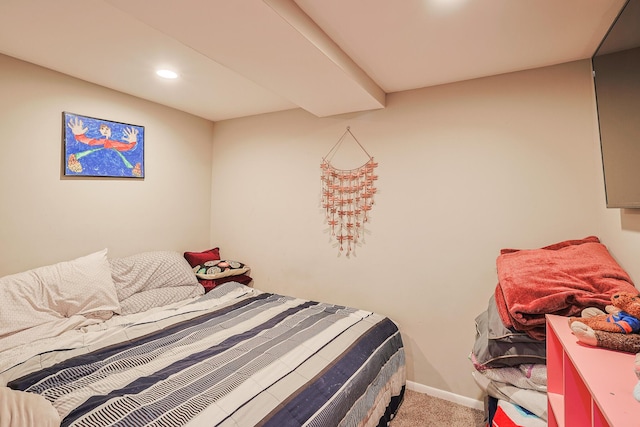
column 347, row 197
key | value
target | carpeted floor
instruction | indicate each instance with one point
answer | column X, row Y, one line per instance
column 419, row 409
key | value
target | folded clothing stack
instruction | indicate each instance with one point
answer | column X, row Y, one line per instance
column 510, row 366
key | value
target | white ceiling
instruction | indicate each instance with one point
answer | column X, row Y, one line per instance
column 238, row 58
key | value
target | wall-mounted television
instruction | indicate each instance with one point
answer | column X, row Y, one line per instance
column 616, row 73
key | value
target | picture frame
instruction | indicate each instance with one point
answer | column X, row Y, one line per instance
column 95, row 147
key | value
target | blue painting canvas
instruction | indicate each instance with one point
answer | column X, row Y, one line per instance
column 97, row 147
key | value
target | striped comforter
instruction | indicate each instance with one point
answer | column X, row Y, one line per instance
column 234, row 357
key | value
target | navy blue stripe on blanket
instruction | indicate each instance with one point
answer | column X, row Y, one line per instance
column 86, row 359
column 307, row 401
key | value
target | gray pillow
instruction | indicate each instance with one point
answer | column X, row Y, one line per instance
column 490, row 353
column 153, row 279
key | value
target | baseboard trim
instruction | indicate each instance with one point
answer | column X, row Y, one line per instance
column 446, row 395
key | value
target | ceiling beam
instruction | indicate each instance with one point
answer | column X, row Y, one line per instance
column 301, row 22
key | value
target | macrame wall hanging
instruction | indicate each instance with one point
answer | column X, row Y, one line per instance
column 347, row 197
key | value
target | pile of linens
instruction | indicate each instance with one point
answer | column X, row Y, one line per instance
column 509, row 353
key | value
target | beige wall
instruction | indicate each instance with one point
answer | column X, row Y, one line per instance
column 464, row 170
column 45, row 218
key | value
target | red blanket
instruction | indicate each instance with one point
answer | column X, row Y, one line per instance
column 559, row 279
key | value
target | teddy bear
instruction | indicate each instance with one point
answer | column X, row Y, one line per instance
column 588, row 328
column 620, row 337
column 622, row 317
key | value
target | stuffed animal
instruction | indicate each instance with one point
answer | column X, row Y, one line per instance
column 628, row 343
column 623, row 318
column 625, row 307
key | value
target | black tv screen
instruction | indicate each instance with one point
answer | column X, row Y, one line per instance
column 616, row 73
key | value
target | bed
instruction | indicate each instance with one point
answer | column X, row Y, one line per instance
column 136, row 341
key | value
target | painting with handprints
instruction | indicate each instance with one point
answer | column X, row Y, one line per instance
column 103, row 148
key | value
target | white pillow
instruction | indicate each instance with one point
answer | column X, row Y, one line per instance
column 82, row 286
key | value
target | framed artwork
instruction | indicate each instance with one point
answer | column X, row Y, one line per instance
column 102, row 148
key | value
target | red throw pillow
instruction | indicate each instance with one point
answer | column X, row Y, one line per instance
column 197, row 258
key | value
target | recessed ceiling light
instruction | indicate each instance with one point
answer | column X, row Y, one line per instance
column 167, row 74
column 446, row 4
